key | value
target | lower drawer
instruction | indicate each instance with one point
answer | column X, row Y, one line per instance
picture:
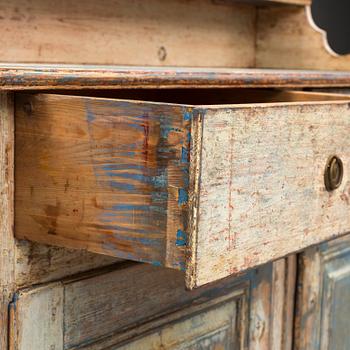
column 213, row 182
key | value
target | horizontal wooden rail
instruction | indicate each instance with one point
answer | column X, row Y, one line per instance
column 34, row 77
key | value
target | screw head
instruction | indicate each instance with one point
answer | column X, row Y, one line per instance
column 333, row 175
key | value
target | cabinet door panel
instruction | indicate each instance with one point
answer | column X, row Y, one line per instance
column 136, row 306
column 324, row 297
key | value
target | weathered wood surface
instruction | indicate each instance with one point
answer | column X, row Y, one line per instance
column 287, row 38
column 261, row 184
column 37, row 318
column 124, row 313
column 44, row 76
column 323, row 299
column 113, row 177
column 38, row 263
column 7, row 241
column 106, row 176
column 124, row 32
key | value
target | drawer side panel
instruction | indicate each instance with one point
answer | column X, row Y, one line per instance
column 103, row 175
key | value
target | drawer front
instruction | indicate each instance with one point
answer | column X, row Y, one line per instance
column 261, row 184
column 210, row 190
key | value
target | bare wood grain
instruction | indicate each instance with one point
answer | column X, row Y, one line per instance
column 39, row 263
column 44, row 76
column 116, row 183
column 125, row 32
column 7, row 241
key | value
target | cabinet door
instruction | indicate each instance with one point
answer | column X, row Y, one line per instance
column 143, row 307
column 323, row 303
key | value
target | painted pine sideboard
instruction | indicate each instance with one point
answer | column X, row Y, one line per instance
column 174, row 175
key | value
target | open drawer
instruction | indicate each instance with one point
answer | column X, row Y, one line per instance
column 213, row 182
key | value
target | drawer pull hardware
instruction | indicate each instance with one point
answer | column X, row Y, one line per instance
column 334, row 173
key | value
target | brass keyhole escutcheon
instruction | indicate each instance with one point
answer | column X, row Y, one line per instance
column 333, row 175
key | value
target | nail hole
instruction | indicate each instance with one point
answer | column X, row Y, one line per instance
column 162, row 53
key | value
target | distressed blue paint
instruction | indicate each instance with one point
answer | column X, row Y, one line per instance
column 137, row 177
column 184, row 155
column 136, row 207
column 180, row 265
column 122, row 186
column 90, row 115
column 181, row 238
column 159, row 197
column 156, row 263
column 166, row 129
column 123, row 166
column 187, row 116
column 156, row 181
column 189, row 137
column 182, row 196
column 185, row 177
column 130, row 207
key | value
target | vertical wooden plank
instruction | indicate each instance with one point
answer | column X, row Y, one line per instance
column 277, row 302
column 6, row 212
column 289, row 302
column 323, row 299
column 37, row 319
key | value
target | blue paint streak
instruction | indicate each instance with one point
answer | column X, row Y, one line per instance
column 156, row 263
column 181, row 238
column 156, row 181
column 189, row 137
column 183, row 196
column 187, row 116
column 184, row 155
column 90, row 116
column 113, row 166
column 122, row 186
column 165, row 130
column 130, row 207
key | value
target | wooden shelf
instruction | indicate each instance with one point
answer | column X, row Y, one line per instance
column 43, row 77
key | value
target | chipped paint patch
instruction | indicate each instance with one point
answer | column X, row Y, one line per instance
column 182, row 196
column 181, row 238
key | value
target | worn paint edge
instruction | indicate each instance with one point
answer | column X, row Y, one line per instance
column 194, row 195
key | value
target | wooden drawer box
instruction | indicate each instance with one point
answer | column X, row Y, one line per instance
column 209, row 181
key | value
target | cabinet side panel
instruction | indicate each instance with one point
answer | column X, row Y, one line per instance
column 7, row 241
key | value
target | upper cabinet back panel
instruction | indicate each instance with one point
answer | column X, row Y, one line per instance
column 128, row 32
